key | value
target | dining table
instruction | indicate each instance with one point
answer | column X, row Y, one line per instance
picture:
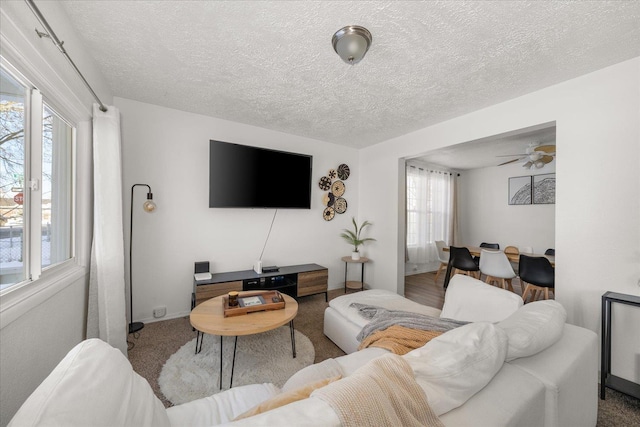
column 476, row 250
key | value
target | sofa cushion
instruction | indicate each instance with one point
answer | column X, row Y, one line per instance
column 472, row 300
column 456, row 365
column 533, row 328
column 221, row 407
column 287, row 397
column 379, row 298
column 93, row 385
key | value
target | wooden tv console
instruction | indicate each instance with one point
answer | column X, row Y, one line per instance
column 293, row 280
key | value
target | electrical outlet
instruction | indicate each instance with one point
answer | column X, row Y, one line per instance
column 159, row 312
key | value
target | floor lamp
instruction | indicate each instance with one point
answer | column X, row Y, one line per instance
column 148, row 206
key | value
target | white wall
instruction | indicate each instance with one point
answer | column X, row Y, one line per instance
column 484, row 214
column 37, row 332
column 597, row 199
column 169, row 150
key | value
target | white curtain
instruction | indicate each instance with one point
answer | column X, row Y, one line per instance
column 106, row 318
column 430, row 212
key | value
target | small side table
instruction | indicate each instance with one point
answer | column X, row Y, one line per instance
column 353, row 284
column 606, row 379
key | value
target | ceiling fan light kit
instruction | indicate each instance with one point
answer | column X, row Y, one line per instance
column 351, row 43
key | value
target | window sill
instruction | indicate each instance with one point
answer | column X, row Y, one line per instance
column 16, row 302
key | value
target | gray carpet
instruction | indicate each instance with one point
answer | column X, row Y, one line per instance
column 158, row 341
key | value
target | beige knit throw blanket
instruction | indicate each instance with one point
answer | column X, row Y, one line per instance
column 399, row 339
column 383, row 392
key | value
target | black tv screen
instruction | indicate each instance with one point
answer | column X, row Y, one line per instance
column 249, row 177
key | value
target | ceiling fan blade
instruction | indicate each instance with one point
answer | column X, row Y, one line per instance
column 512, row 155
column 546, row 159
column 510, row 161
column 547, row 149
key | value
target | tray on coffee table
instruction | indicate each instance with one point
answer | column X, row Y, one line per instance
column 273, row 300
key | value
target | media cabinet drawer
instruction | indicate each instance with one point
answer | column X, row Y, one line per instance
column 312, row 282
column 205, row 292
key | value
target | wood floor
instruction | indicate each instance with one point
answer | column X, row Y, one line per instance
column 423, row 289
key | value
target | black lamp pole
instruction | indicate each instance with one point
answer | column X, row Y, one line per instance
column 148, row 206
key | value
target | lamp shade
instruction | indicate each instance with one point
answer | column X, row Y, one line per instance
column 351, row 43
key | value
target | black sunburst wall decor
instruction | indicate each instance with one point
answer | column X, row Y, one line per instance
column 333, row 183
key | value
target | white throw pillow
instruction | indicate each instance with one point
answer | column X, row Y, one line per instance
column 533, row 328
column 472, row 300
column 456, row 365
column 94, row 385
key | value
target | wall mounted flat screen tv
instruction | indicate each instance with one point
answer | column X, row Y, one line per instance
column 241, row 176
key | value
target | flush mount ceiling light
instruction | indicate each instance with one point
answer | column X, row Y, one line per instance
column 351, row 43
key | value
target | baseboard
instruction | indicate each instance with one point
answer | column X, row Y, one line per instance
column 166, row 317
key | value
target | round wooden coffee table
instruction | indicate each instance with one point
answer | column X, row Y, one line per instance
column 208, row 318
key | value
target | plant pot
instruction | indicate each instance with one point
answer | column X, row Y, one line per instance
column 355, row 255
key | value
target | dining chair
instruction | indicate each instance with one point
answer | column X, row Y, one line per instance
column 526, row 249
column 463, row 262
column 512, row 250
column 537, row 274
column 486, row 245
column 550, row 251
column 443, row 257
column 490, row 245
column 496, row 266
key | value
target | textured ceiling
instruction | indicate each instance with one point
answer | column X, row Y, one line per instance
column 491, row 151
column 271, row 63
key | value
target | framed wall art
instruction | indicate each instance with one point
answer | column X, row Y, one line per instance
column 520, row 190
column 544, row 189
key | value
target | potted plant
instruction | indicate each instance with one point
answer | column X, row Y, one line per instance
column 354, row 237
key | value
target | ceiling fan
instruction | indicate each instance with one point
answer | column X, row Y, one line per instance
column 535, row 155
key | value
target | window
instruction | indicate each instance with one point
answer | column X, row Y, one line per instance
column 429, row 212
column 36, row 184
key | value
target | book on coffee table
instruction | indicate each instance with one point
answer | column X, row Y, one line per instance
column 251, row 301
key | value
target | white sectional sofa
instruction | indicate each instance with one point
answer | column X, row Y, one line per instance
column 548, row 379
column 555, row 386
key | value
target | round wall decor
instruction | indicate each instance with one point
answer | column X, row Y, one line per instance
column 332, row 173
column 340, row 205
column 328, row 199
column 343, row 172
column 338, row 188
column 325, row 183
column 328, row 214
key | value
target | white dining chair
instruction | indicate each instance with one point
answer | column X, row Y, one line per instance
column 496, row 266
column 526, row 249
column 443, row 257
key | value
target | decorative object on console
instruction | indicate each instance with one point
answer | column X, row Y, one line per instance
column 201, row 271
column 148, row 206
column 354, row 237
column 351, row 43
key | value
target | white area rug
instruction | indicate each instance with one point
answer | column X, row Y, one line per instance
column 260, row 358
